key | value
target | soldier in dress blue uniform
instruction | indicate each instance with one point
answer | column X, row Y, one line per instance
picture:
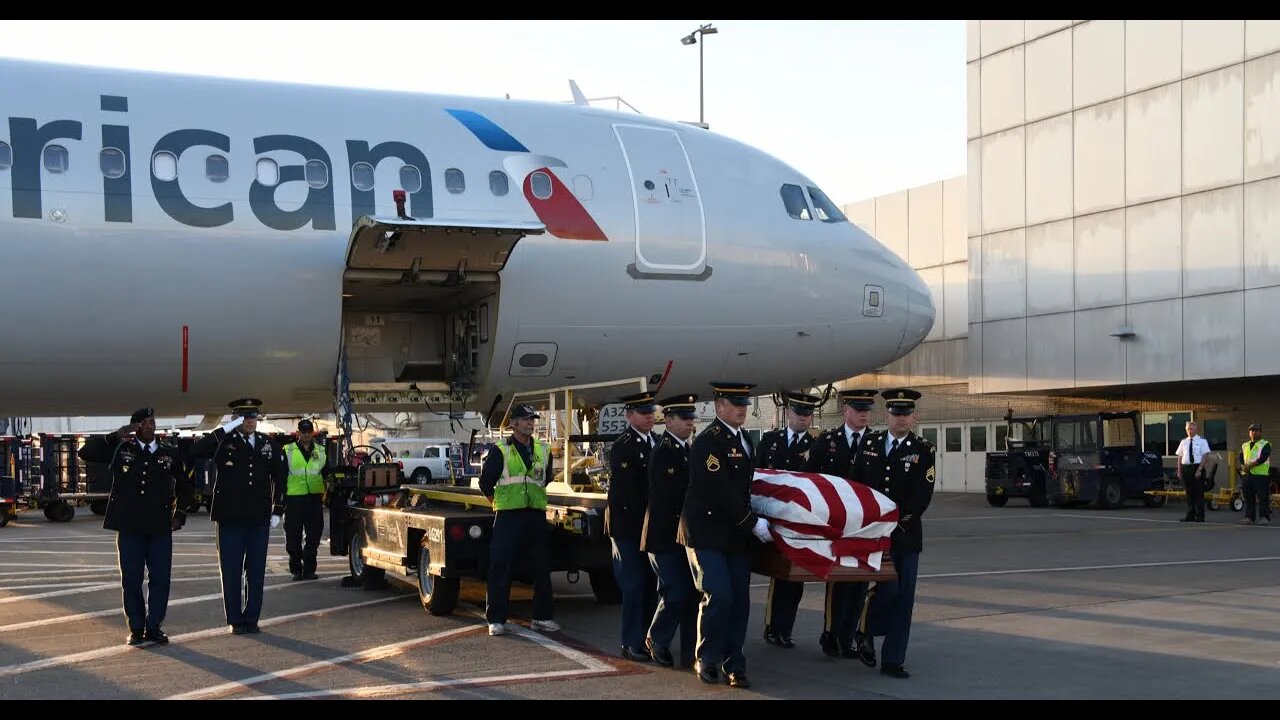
column 899, row 464
column 248, row 501
column 786, row 449
column 148, row 486
column 716, row 529
column 668, row 482
column 624, row 521
column 833, row 453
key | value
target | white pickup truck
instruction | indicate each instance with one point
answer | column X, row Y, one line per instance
column 423, row 460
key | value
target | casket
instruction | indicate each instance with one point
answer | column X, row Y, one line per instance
column 767, row 560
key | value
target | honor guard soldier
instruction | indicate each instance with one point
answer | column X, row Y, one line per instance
column 899, row 464
column 304, row 501
column 624, row 521
column 833, row 453
column 716, row 529
column 247, row 494
column 148, row 485
column 668, row 482
column 514, row 478
column 786, row 449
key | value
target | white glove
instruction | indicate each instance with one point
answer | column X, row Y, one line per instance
column 275, row 521
column 235, row 423
column 761, row 530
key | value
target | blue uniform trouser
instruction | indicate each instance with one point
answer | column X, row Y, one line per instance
column 639, row 590
column 154, row 553
column 242, row 555
column 1257, row 497
column 784, row 603
column 843, row 608
column 514, row 532
column 889, row 606
column 676, row 608
column 725, row 582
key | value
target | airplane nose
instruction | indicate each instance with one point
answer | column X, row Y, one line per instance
column 920, row 312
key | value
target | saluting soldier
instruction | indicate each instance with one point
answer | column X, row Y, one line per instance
column 833, row 453
column 716, row 527
column 900, row 464
column 786, row 449
column 148, row 486
column 668, row 482
column 624, row 522
column 248, row 501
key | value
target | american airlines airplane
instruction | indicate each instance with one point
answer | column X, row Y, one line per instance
column 182, row 241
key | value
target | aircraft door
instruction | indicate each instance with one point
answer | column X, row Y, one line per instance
column 670, row 226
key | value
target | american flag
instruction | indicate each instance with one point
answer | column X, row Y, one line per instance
column 819, row 521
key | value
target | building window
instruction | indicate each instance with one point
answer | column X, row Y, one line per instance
column 978, row 439
column 317, row 174
column 410, row 179
column 268, row 172
column 955, row 440
column 1215, row 431
column 540, row 183
column 6, row 156
column 164, row 166
column 362, row 176
column 111, row 160
column 454, row 181
column 1002, row 438
column 498, row 183
column 793, row 200
column 216, row 168
column 930, row 435
column 56, row 159
column 1161, row 432
column 825, row 209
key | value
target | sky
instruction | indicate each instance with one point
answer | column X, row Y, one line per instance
column 864, row 108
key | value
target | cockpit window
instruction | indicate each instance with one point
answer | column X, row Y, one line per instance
column 793, row 199
column 825, row 209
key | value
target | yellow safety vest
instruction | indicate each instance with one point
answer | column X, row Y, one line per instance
column 304, row 474
column 520, row 486
column 1250, row 453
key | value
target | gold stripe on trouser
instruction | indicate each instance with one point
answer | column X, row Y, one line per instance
column 768, row 603
column 826, row 612
column 866, row 608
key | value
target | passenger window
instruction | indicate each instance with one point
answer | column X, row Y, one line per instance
column 793, row 200
column 362, row 176
column 216, row 168
column 540, row 182
column 112, row 163
column 317, row 174
column 825, row 209
column 498, row 183
column 164, row 165
column 56, row 159
column 410, row 179
column 454, row 181
column 268, row 172
column 6, row 156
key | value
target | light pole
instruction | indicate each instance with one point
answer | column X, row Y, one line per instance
column 692, row 39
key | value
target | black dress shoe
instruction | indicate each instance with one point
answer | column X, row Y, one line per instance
column 239, row 629
column 738, row 680
column 310, row 576
column 635, row 655
column 295, row 576
column 155, row 635
column 895, row 671
column 866, row 649
column 252, row 628
column 660, row 655
column 708, row 675
column 1186, row 519
column 136, row 637
column 829, row 644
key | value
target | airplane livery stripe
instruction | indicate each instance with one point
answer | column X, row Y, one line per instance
column 494, row 137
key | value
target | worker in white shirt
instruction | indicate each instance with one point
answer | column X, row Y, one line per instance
column 1191, row 452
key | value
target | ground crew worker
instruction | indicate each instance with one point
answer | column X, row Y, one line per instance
column 1256, row 469
column 716, row 527
column 624, row 520
column 900, row 464
column 786, row 449
column 514, row 478
column 247, row 495
column 833, row 453
column 304, row 462
column 144, row 521
column 668, row 483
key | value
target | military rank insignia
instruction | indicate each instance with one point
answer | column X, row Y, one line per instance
column 929, row 475
column 713, row 463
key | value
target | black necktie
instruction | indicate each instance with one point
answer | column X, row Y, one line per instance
column 893, row 448
column 856, row 437
column 794, row 438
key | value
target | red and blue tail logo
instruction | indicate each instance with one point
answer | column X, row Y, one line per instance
column 560, row 210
